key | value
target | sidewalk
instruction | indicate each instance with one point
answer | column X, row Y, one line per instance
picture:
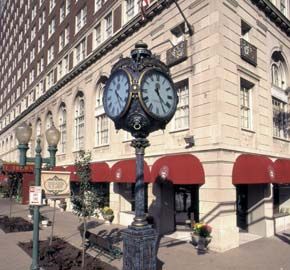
column 263, row 254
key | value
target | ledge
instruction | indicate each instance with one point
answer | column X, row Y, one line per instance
column 274, row 14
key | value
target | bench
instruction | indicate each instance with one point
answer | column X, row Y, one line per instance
column 103, row 244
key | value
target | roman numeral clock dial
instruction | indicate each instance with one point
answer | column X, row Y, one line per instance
column 158, row 96
column 116, row 94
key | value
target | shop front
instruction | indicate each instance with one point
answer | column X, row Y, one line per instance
column 252, row 175
column 176, row 191
column 122, row 197
column 281, row 195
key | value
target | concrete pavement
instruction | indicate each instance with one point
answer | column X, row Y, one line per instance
column 265, row 254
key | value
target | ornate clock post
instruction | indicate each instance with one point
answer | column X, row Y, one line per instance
column 140, row 98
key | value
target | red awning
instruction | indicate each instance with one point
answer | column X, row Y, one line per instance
column 253, row 169
column 179, row 169
column 282, row 171
column 10, row 167
column 124, row 171
column 73, row 173
column 3, row 178
column 59, row 169
column 100, row 172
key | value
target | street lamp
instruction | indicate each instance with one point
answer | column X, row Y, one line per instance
column 23, row 135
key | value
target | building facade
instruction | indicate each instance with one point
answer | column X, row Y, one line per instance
column 222, row 159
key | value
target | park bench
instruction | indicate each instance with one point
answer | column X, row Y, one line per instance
column 103, row 244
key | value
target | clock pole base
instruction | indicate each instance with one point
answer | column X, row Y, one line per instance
column 139, row 252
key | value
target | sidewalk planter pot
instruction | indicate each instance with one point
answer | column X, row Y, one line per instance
column 200, row 242
column 44, row 223
column 108, row 218
column 107, row 214
column 62, row 205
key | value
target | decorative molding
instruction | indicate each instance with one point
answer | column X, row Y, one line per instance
column 274, row 15
column 233, row 2
column 101, row 52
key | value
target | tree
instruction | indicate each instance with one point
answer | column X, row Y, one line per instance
column 87, row 200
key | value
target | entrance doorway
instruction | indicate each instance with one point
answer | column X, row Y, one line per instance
column 242, row 207
column 186, row 205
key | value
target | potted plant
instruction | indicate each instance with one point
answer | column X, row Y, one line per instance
column 201, row 236
column 108, row 214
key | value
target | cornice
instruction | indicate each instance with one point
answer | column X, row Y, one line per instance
column 101, row 52
column 274, row 14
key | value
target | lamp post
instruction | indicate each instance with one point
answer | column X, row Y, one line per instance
column 23, row 135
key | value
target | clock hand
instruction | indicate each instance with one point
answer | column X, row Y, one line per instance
column 118, row 98
column 161, row 99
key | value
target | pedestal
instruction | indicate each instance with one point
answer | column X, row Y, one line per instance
column 139, row 248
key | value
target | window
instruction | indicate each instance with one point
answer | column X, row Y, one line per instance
column 33, row 33
column 280, row 118
column 41, row 42
column 81, row 19
column 245, row 104
column 51, row 28
column 51, row 5
column 62, row 39
column 79, row 122
column 50, row 79
column 131, row 9
column 38, row 128
column 41, row 19
column 279, row 96
column 284, row 7
column 80, row 51
column 98, row 35
column 281, row 199
column 62, row 128
column 245, row 30
column 108, row 25
column 278, row 75
column 63, row 67
column 61, row 13
column 101, row 120
column 181, row 117
column 67, row 7
column 50, row 54
column 98, row 5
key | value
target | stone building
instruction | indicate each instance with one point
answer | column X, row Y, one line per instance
column 224, row 157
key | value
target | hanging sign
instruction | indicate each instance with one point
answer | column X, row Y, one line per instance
column 35, row 195
column 55, row 184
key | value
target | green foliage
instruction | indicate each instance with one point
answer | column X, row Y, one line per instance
column 87, row 200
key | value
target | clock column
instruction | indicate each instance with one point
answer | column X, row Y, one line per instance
column 140, row 118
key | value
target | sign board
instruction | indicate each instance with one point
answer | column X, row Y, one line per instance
column 35, row 195
column 55, row 184
column 176, row 54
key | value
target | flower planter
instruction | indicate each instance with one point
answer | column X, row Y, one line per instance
column 62, row 206
column 108, row 218
column 44, row 223
column 200, row 242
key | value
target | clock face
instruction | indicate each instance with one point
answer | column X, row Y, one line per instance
column 158, row 95
column 116, row 94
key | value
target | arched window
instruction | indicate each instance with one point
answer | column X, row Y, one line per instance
column 101, row 119
column 279, row 95
column 278, row 75
column 62, row 127
column 49, row 121
column 48, row 124
column 79, row 124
